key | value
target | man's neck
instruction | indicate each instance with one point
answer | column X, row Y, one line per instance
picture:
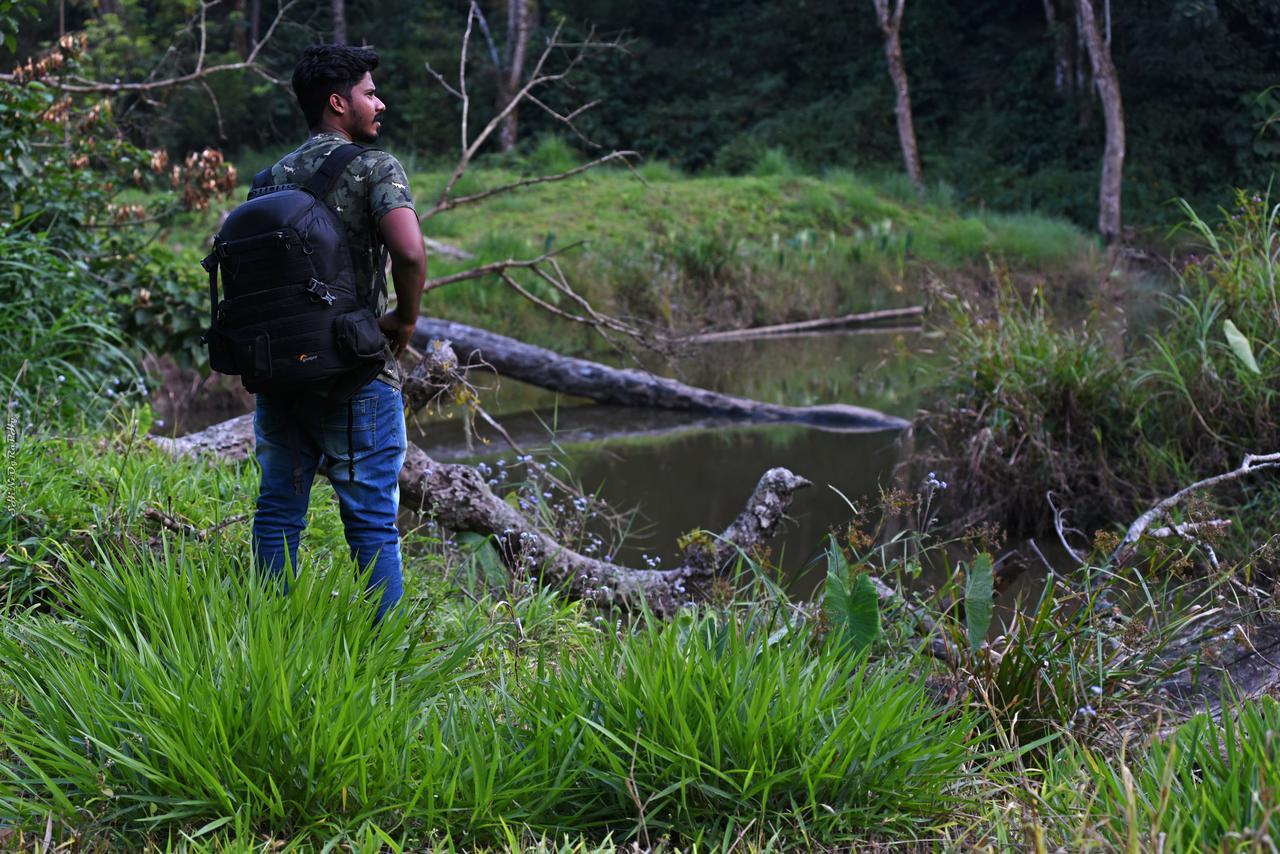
column 332, row 130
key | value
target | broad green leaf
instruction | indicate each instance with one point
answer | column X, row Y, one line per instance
column 1240, row 346
column 978, row 591
column 852, row 609
column 863, row 624
column 488, row 561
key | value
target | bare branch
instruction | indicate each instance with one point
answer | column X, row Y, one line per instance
column 1251, row 463
column 217, row 108
column 446, row 204
column 84, row 85
column 490, row 269
column 445, row 83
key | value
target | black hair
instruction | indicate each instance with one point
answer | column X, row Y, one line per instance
column 325, row 69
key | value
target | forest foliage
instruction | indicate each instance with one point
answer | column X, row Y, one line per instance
column 710, row 85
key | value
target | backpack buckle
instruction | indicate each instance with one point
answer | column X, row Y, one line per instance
column 320, row 292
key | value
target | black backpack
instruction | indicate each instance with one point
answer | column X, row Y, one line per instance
column 293, row 319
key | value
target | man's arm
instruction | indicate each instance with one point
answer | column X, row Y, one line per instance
column 403, row 239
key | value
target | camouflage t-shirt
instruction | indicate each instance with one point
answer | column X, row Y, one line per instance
column 373, row 184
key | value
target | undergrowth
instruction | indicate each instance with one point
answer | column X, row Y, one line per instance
column 1106, row 423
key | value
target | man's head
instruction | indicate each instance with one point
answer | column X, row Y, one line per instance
column 335, row 90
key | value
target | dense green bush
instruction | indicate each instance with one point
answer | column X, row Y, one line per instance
column 1106, row 421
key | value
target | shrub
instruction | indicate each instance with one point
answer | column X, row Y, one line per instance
column 179, row 688
column 685, row 726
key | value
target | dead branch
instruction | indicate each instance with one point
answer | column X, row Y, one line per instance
column 633, row 387
column 1250, row 464
column 866, row 318
column 459, row 499
column 539, row 77
column 450, row 204
column 1060, row 525
column 76, row 84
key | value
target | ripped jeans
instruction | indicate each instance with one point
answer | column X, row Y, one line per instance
column 363, row 444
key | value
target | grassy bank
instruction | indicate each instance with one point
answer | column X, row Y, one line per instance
column 1109, row 421
column 156, row 693
column 689, row 252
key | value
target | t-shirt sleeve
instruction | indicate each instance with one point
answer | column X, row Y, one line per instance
column 388, row 186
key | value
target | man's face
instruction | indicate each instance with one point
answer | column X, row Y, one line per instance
column 362, row 119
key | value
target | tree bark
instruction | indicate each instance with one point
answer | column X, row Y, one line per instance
column 459, row 499
column 240, row 37
column 891, row 26
column 1061, row 32
column 511, row 77
column 339, row 21
column 628, row 386
column 255, row 27
column 1108, row 84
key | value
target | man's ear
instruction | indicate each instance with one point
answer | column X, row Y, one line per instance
column 337, row 103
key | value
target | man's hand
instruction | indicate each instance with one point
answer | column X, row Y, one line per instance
column 397, row 330
column 403, row 238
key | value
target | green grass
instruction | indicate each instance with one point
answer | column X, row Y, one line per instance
column 1206, row 786
column 689, row 251
column 1111, row 422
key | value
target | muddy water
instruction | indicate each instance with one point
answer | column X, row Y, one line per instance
column 680, row 471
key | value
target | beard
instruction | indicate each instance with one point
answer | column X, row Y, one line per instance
column 369, row 133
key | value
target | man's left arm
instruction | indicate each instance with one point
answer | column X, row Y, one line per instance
column 391, row 207
column 403, row 239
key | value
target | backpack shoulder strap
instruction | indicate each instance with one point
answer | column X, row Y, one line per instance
column 334, row 165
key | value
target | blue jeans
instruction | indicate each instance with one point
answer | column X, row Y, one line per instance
column 363, row 445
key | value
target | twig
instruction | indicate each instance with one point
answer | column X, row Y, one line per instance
column 1250, row 464
column 174, row 524
column 866, row 317
column 450, row 204
column 82, row 85
column 1059, row 525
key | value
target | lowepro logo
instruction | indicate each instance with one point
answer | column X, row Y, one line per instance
column 308, row 357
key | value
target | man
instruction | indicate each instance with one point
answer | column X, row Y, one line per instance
column 362, row 440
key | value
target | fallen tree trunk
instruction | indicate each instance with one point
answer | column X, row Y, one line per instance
column 628, row 386
column 459, row 499
column 845, row 321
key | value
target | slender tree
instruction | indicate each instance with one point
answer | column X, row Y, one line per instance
column 889, row 14
column 340, row 21
column 1062, row 33
column 511, row 73
column 1108, row 83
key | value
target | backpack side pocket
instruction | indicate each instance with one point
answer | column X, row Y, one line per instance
column 358, row 335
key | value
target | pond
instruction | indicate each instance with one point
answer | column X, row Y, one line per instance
column 681, row 471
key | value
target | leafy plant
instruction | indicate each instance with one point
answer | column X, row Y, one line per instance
column 852, row 605
column 978, row 592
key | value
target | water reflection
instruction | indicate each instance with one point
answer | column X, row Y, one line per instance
column 683, row 472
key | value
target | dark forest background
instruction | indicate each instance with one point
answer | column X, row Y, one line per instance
column 713, row 84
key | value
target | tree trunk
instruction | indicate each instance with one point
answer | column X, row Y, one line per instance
column 511, row 78
column 458, row 498
column 255, row 15
column 627, row 386
column 891, row 26
column 1062, row 34
column 1105, row 78
column 240, row 37
column 339, row 21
